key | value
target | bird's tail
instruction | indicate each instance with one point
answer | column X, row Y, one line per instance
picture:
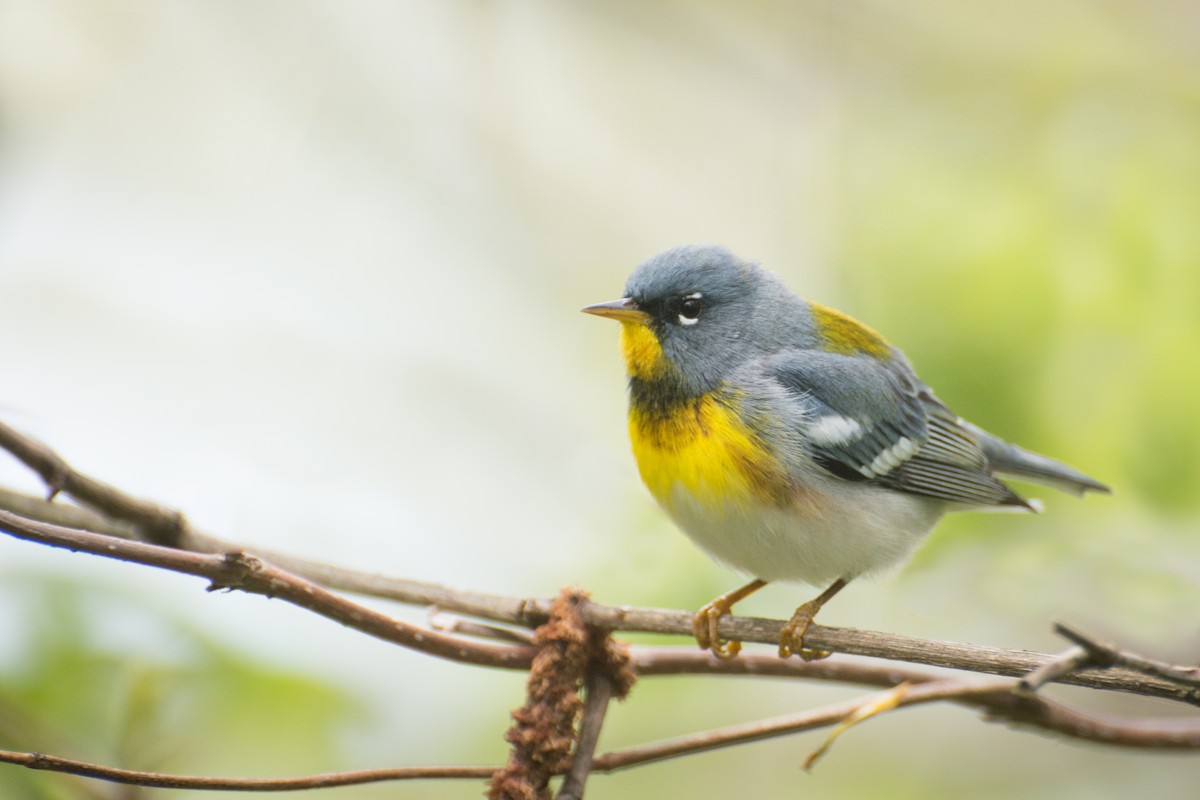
column 1009, row 459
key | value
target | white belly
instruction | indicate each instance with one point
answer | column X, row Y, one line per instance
column 866, row 530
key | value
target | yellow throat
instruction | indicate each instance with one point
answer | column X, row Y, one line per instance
column 644, row 357
column 698, row 445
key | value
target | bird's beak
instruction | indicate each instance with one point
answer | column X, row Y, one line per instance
column 623, row 310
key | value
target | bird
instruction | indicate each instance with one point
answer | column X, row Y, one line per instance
column 790, row 441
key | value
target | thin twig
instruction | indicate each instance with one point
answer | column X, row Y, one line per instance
column 995, row 696
column 157, row 523
column 67, row 515
column 21, row 723
column 825, row 716
column 1109, row 653
column 1005, row 706
column 1065, row 663
column 599, row 690
column 41, row 761
column 452, row 623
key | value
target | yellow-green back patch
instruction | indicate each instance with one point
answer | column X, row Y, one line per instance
column 843, row 334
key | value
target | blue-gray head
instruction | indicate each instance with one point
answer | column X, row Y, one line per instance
column 691, row 315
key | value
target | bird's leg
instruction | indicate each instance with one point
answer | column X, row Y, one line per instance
column 791, row 638
column 704, row 624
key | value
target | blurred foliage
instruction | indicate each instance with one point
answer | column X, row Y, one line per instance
column 1023, row 227
column 192, row 707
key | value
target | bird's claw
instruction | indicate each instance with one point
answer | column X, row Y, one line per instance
column 791, row 638
column 704, row 628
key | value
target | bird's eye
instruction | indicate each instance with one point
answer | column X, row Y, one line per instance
column 690, row 308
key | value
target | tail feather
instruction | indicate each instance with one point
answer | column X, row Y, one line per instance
column 1007, row 458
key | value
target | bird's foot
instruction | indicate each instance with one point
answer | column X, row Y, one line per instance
column 704, row 624
column 791, row 638
column 704, row 628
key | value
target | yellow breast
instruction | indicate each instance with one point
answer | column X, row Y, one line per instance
column 701, row 446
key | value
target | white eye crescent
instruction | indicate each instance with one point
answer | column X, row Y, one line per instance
column 689, row 309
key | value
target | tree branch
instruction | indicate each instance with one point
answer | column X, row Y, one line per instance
column 149, row 520
column 247, row 573
column 530, row 612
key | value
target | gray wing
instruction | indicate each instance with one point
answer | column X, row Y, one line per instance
column 872, row 421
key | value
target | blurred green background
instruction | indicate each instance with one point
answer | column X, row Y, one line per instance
column 311, row 272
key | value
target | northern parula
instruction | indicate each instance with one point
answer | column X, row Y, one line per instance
column 790, row 441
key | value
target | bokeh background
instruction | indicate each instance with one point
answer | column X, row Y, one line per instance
column 311, row 271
